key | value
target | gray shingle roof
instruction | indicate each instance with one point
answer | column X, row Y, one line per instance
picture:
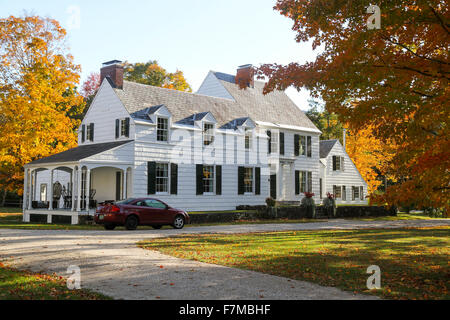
column 325, row 147
column 80, row 152
column 275, row 107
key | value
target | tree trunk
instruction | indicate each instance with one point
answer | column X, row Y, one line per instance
column 2, row 204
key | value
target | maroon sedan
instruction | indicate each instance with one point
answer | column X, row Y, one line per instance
column 140, row 211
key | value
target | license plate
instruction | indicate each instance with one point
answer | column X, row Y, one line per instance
column 101, row 217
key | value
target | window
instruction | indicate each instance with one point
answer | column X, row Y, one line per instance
column 123, row 128
column 89, row 133
column 344, row 193
column 208, row 134
column 162, row 177
column 302, row 145
column 338, row 163
column 152, row 203
column 248, row 138
column 337, row 192
column 355, row 193
column 273, row 141
column 248, row 180
column 305, row 181
column 162, row 131
column 44, row 192
column 208, row 179
column 361, row 193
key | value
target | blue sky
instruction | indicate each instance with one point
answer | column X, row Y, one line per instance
column 194, row 36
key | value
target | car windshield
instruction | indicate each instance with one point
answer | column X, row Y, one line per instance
column 126, row 201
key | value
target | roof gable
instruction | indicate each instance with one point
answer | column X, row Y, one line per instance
column 325, row 147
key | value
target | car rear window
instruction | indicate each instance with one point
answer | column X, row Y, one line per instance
column 126, row 201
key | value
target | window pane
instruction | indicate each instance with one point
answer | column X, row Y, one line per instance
column 162, row 177
column 338, row 193
column 155, row 204
column 208, row 179
column 303, row 181
column 123, row 127
column 162, row 129
column 274, row 142
column 248, row 180
column 248, row 139
column 208, row 134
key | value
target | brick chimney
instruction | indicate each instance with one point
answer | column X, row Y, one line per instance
column 114, row 71
column 244, row 76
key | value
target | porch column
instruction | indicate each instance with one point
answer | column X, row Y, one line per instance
column 72, row 189
column 50, row 206
column 25, row 189
column 79, row 190
column 124, row 189
column 88, row 188
column 280, row 181
column 30, row 197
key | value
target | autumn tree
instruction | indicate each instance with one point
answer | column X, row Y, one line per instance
column 38, row 95
column 153, row 74
column 325, row 121
column 393, row 80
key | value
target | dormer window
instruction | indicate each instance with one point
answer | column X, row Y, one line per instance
column 162, row 131
column 122, row 128
column 208, row 134
column 338, row 163
column 248, row 138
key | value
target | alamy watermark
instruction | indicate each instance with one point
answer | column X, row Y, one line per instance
column 374, row 21
column 74, row 281
column 74, row 20
column 374, row 281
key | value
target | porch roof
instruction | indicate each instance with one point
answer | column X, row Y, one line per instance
column 80, row 152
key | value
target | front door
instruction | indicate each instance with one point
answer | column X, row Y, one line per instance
column 273, row 186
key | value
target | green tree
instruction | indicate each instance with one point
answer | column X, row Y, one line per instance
column 153, row 74
column 325, row 121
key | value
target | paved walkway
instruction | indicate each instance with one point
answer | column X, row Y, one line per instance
column 111, row 263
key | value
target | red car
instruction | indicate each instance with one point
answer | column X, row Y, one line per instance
column 140, row 211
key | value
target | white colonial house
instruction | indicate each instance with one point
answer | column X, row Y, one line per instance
column 213, row 150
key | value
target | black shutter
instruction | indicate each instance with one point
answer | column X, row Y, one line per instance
column 296, row 145
column 308, row 148
column 282, row 143
column 334, row 191
column 127, row 127
column 83, row 132
column 199, row 171
column 151, row 177
column 353, row 193
column 309, row 179
column 173, row 178
column 218, row 180
column 269, row 142
column 297, row 182
column 342, row 164
column 334, row 163
column 92, row 132
column 361, row 193
column 117, row 128
column 257, row 180
column 241, row 175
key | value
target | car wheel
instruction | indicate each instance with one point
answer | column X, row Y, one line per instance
column 131, row 223
column 178, row 222
column 109, row 226
column 157, row 227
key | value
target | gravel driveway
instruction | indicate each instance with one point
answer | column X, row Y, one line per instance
column 111, row 263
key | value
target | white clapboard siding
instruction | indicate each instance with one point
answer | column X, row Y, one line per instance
column 349, row 177
column 43, row 177
column 103, row 112
column 211, row 86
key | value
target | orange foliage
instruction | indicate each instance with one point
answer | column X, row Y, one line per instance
column 394, row 80
column 37, row 93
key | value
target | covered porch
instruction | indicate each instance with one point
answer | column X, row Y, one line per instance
column 57, row 186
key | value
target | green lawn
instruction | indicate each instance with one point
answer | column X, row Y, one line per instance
column 414, row 262
column 25, row 285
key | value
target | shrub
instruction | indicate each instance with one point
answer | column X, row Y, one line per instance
column 308, row 203
column 270, row 202
column 329, row 203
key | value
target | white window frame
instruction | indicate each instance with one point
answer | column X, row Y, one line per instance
column 123, row 128
column 166, row 129
column 88, row 133
column 274, row 141
column 248, row 136
column 356, row 193
column 340, row 192
column 210, row 133
column 45, row 192
column 213, row 180
column 252, row 169
column 161, row 177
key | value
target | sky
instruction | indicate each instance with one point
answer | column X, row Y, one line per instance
column 193, row 36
